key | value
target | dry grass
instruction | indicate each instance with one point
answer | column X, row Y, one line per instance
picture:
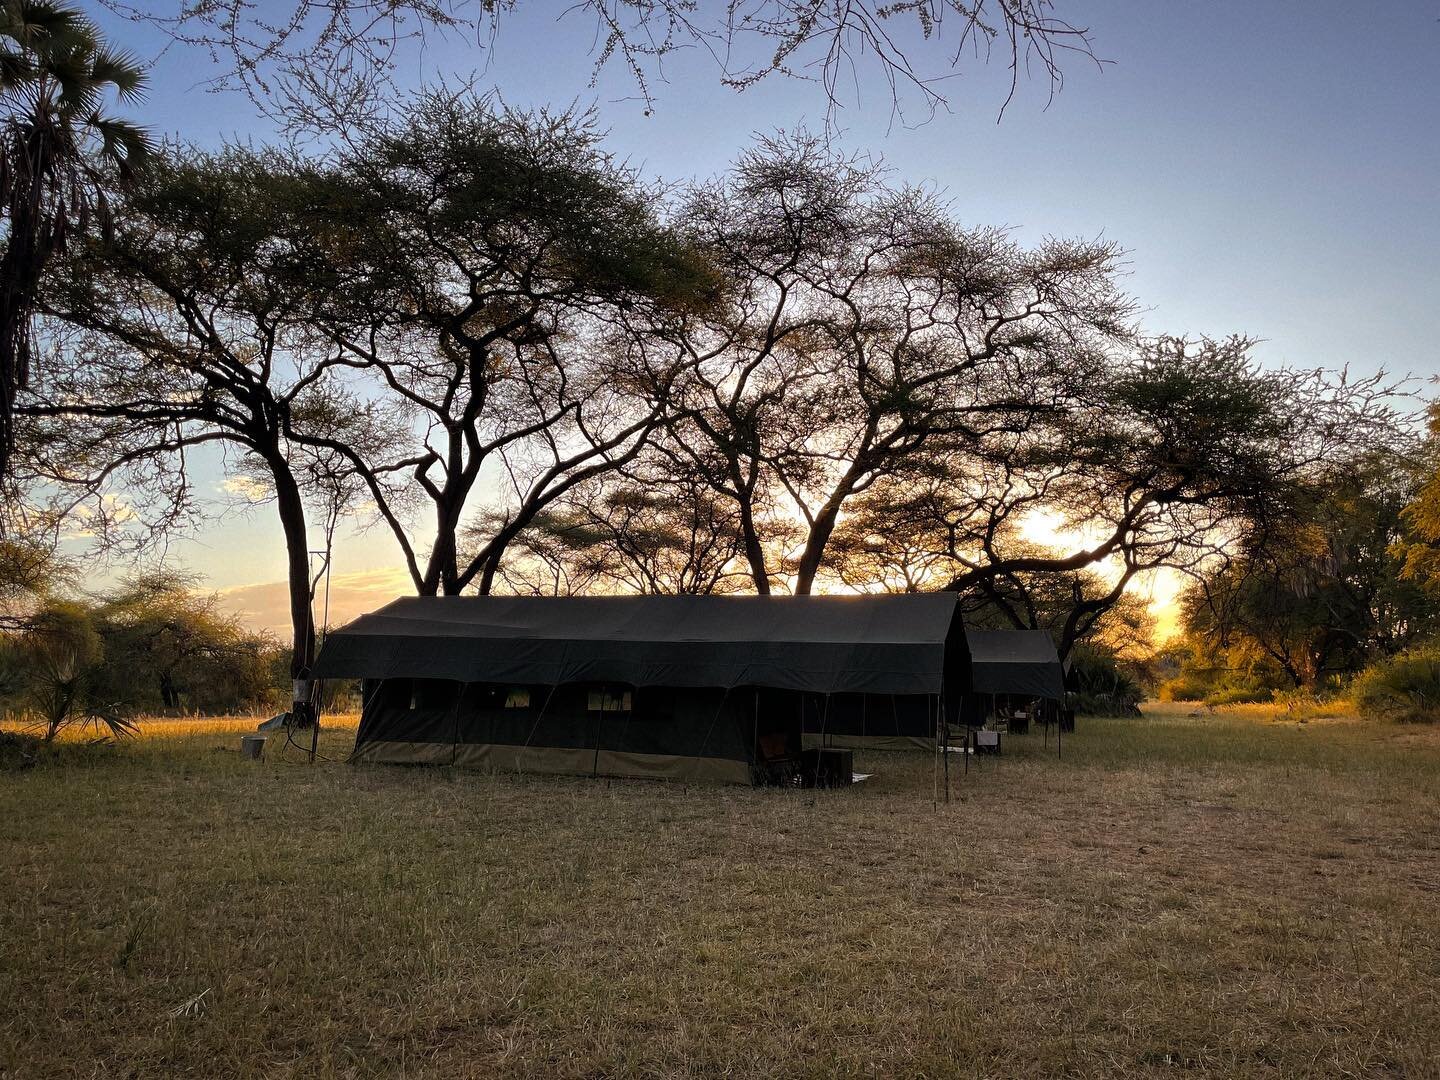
column 1215, row 894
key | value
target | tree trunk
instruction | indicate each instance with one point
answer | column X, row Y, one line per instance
column 754, row 553
column 814, row 552
column 169, row 696
column 297, row 551
column 19, row 274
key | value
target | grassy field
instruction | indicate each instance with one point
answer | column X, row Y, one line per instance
column 1216, row 894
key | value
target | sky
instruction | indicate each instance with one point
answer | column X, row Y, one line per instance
column 1272, row 169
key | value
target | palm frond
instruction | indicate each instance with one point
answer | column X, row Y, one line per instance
column 122, row 142
column 16, row 69
column 119, row 727
column 124, row 71
column 79, row 92
column 44, row 26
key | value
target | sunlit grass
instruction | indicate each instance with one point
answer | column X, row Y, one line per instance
column 1225, row 894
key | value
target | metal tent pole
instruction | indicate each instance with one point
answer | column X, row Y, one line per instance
column 824, row 732
column 945, row 734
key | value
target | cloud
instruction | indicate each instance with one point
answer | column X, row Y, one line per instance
column 247, row 489
column 266, row 605
column 113, row 507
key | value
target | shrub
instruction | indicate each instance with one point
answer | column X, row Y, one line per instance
column 1305, row 704
column 62, row 692
column 1241, row 694
column 1186, row 687
column 1100, row 686
column 1402, row 687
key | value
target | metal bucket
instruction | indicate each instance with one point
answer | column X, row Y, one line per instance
column 252, row 746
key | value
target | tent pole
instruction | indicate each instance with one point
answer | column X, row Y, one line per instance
column 935, row 779
column 317, row 688
column 945, row 734
column 455, row 724
column 824, row 730
column 314, row 721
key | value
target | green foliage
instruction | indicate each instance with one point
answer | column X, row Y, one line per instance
column 1219, row 676
column 56, row 669
column 152, row 645
column 1191, row 686
column 1244, row 693
column 1319, row 593
column 169, row 647
column 1401, row 687
column 1418, row 549
column 1101, row 684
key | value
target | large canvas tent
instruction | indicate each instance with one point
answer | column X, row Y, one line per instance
column 709, row 687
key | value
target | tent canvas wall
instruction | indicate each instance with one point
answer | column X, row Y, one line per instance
column 873, row 721
column 705, row 687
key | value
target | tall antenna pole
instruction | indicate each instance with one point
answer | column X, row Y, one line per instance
column 311, row 686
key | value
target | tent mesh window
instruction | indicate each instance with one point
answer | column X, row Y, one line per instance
column 609, row 699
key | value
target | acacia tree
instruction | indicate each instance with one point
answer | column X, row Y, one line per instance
column 1174, row 456
column 498, row 277
column 154, row 627
column 59, row 152
column 183, row 334
column 862, row 326
column 1418, row 546
column 30, row 569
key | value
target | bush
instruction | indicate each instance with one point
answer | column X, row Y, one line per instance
column 1186, row 687
column 1403, row 687
column 1099, row 686
column 1305, row 704
column 1242, row 694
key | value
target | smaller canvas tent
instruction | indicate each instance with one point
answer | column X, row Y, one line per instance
column 1013, row 665
column 714, row 687
column 1022, row 663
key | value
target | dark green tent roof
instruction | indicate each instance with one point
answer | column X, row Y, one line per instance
column 891, row 644
column 1022, row 662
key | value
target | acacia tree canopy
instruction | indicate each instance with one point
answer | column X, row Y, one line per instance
column 537, row 372
column 863, row 325
column 504, row 281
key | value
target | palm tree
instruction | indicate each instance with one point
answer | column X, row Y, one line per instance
column 58, row 152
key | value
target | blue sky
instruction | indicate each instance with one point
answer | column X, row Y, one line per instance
column 1272, row 168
